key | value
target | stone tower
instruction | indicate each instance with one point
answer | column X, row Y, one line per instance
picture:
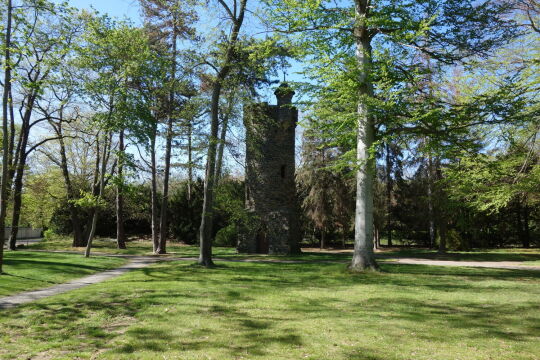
column 270, row 184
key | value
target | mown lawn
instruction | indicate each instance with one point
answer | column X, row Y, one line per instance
column 32, row 270
column 144, row 247
column 529, row 256
column 177, row 310
column 134, row 247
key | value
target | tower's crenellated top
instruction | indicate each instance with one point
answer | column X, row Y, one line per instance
column 284, row 94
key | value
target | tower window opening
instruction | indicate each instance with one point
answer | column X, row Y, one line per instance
column 283, row 171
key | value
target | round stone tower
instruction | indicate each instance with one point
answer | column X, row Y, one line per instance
column 270, row 184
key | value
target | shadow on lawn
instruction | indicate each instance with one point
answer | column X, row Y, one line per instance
column 474, row 255
column 64, row 266
column 231, row 293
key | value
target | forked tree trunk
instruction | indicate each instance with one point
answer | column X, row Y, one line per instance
column 120, row 233
column 223, row 139
column 17, row 203
column 78, row 239
column 18, row 183
column 363, row 256
column 99, row 197
column 205, row 230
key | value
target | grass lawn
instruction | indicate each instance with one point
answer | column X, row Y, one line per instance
column 177, row 310
column 32, row 270
column 144, row 247
column 528, row 256
column 134, row 247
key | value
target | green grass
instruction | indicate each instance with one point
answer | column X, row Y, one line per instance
column 144, row 247
column 134, row 247
column 515, row 254
column 32, row 270
column 317, row 311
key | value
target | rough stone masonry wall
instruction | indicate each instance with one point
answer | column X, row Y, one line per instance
column 270, row 184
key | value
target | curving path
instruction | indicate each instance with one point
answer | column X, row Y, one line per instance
column 28, row 296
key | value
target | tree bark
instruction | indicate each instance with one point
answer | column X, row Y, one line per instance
column 99, row 197
column 205, row 230
column 389, row 194
column 120, row 233
column 155, row 219
column 5, row 132
column 205, row 256
column 222, row 139
column 363, row 256
column 20, row 164
column 526, row 229
column 163, row 221
column 78, row 238
column 431, row 213
column 17, row 202
column 441, row 213
column 190, row 161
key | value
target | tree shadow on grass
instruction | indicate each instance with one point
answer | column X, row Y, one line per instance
column 53, row 265
column 474, row 255
column 236, row 291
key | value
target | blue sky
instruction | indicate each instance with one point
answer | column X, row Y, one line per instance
column 117, row 8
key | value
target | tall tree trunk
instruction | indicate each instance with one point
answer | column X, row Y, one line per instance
column 78, row 238
column 95, row 188
column 526, row 229
column 120, row 233
column 17, row 201
column 190, row 161
column 441, row 212
column 389, row 194
column 5, row 132
column 323, row 232
column 376, row 242
column 431, row 212
column 223, row 139
column 20, row 164
column 100, row 195
column 155, row 219
column 363, row 256
column 163, row 220
column 205, row 230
